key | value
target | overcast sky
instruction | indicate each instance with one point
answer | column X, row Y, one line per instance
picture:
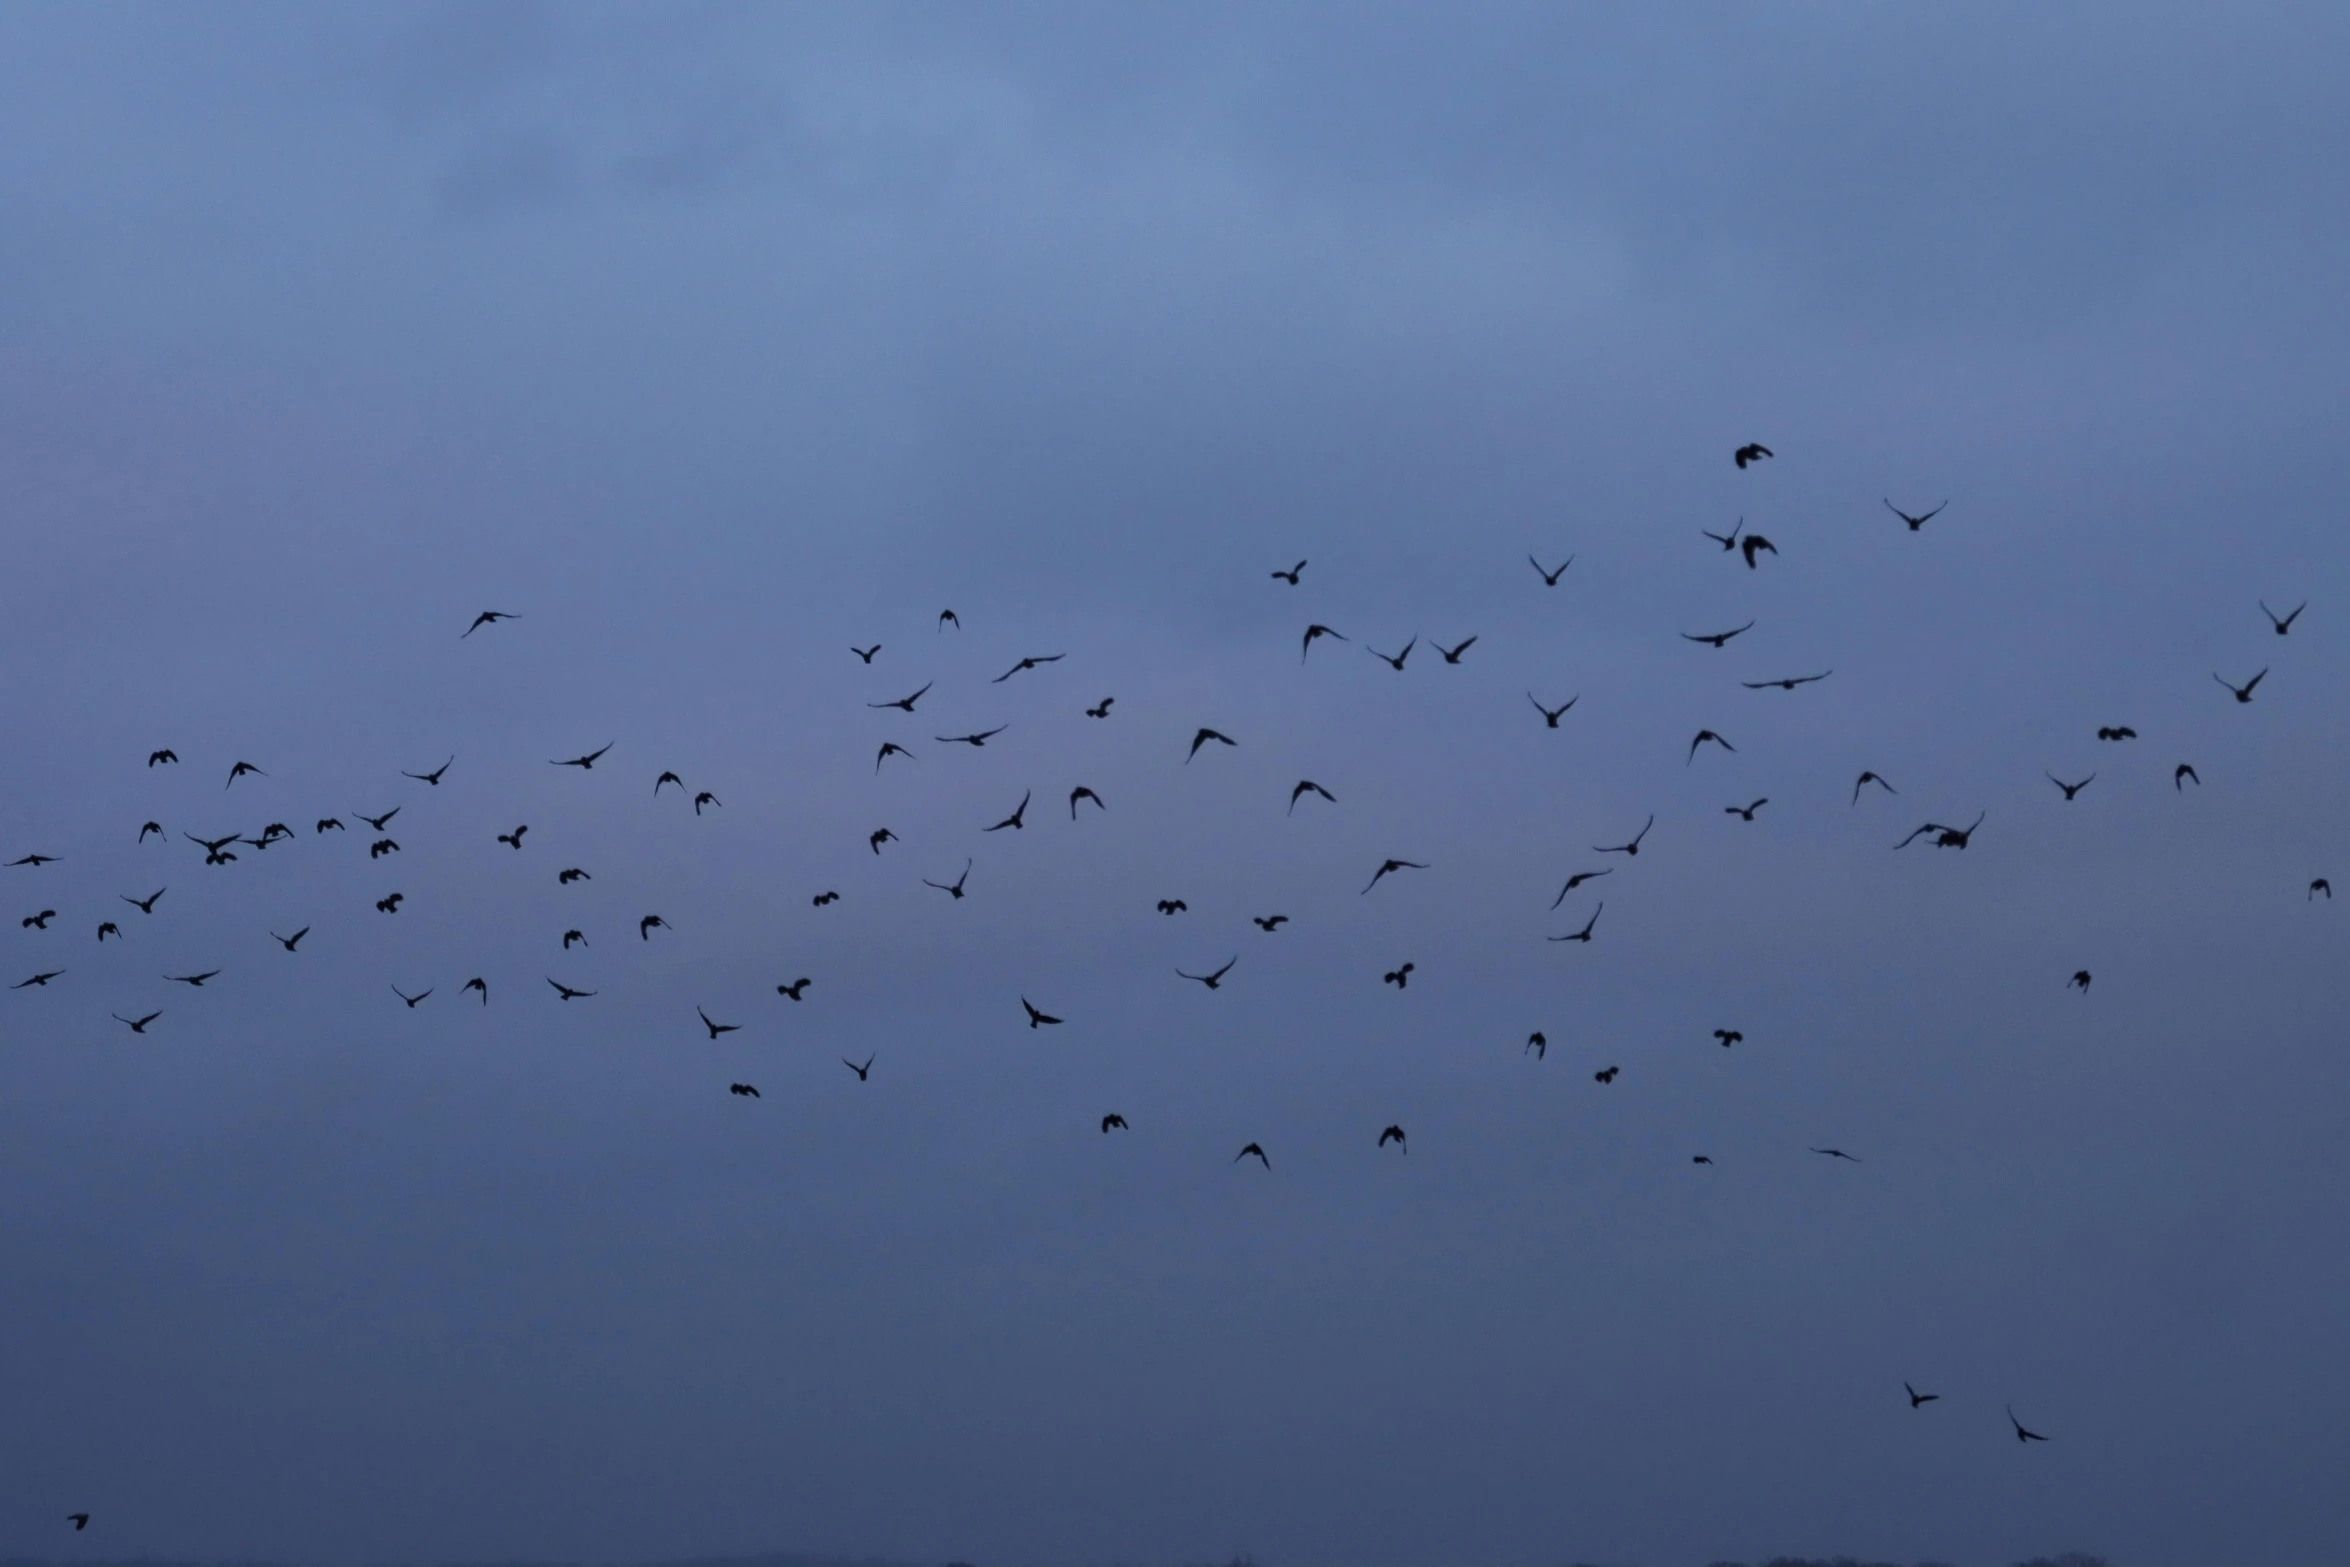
column 711, row 340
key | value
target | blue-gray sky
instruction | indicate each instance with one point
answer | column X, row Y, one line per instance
column 715, row 339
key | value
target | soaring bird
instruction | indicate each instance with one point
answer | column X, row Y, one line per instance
column 1577, row 880
column 34, row 860
column 1752, row 543
column 1304, row 787
column 2282, row 626
column 1944, row 837
column 1215, row 979
column 1703, row 736
column 1313, row 631
column 215, row 849
column 650, row 923
column 667, row 777
column 157, row 829
column 1083, row 793
column 953, row 889
column 328, row 824
column 488, row 617
column 565, row 877
column 1202, row 738
column 1728, row 541
column 1290, row 576
column 109, row 928
column 879, row 836
column 1539, row 1043
column 1393, row 661
column 193, row 981
column 1036, row 1019
column 144, row 905
column 890, row 748
column 1746, row 812
column 138, row 1025
column 1915, row 1397
column 514, row 837
column 481, row 985
column 39, row 921
column 2080, row 979
column 1552, row 715
column 571, row 936
column 1729, row 1037
column 2021, row 1434
column 1837, row 1153
column 2070, row 789
column 1550, row 579
column 1394, row 1134
column 1017, row 820
column 587, row 762
column 41, row 980
column 1385, row 866
column 240, row 770
column 566, row 992
column 1452, row 655
column 80, row 1521
column 823, row 898
column 381, row 847
column 171, row 758
column 1273, row 922
column 1583, row 935
column 1788, row 684
column 1752, row 451
column 411, row 1000
column 861, row 1071
column 2318, row 886
column 1173, row 906
column 2179, row 776
column 796, row 989
column 1027, row 663
column 1400, row 978
column 975, row 741
column 1101, row 711
column 1699, row 1159
column 707, row 798
column 2243, row 693
column 1115, row 1122
column 1253, row 1148
column 1915, row 523
column 376, row 822
column 433, row 777
column 1717, row 638
column 716, row 1028
column 1632, row 848
column 947, row 617
column 290, row 942
column 742, row 1090
column 865, row 653
column 2117, row 732
column 905, row 704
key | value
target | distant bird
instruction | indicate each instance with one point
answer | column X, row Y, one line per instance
column 890, row 748
column 1788, row 684
column 1699, row 1159
column 667, row 777
column 796, row 990
column 157, row 829
column 34, row 860
column 41, row 980
column 1703, row 736
column 875, row 839
column 488, row 617
column 1036, row 1019
column 2180, row 775
column 975, row 741
column 1290, row 576
column 823, row 898
column 290, row 942
column 1394, row 1134
column 240, row 770
column 707, row 798
column 1117, row 1123
column 171, row 757
column 1313, row 631
column 1212, row 981
column 566, row 992
column 2069, row 789
column 1752, row 543
column 1393, row 661
column 905, row 704
column 1083, row 793
column 2282, row 626
column 39, row 921
column 1583, row 935
column 1915, row 523
column 381, row 847
column 1728, row 541
column 1308, row 786
column 1606, row 1074
column 587, row 762
column 947, row 617
column 1452, row 655
column 215, row 849
column 376, row 822
column 1273, row 922
column 1915, row 1397
column 411, row 1000
column 1729, row 1037
column 1027, row 663
column 138, row 1025
column 1386, row 866
column 144, row 905
column 2242, row 693
column 433, row 777
column 1717, row 638
column 861, row 1071
column 1944, row 837
column 193, row 981
column 1746, row 812
column 80, row 1521
column 391, row 904
column 1752, row 451
column 650, row 923
column 1539, row 1043
column 1173, row 906
column 865, row 653
column 1550, row 579
column 514, row 837
column 1632, row 848
column 2119, row 732
column 1103, row 711
column 477, row 984
column 571, row 936
column 1017, row 820
column 565, row 878
column 1837, row 1153
column 1552, row 715
column 1202, row 738
column 952, row 889
column 328, row 824
column 742, row 1090
column 109, row 929
column 2021, row 1434
column 1400, row 978
column 2318, row 886
column 1255, row 1149
column 2080, row 979
column 716, row 1028
column 1577, row 880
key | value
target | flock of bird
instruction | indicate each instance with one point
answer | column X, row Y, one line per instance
column 142, row 1014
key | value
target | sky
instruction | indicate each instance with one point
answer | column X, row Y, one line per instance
column 712, row 340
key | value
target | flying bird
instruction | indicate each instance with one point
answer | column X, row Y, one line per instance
column 1083, row 793
column 2243, row 693
column 375, row 822
column 193, row 981
column 1202, row 738
column 1539, row 1043
column 2079, row 980
column 1117, row 1123
column 1290, row 576
column 215, row 849
column 1577, row 880
column 865, row 653
column 651, row 922
column 240, row 770
column 1837, row 1153
column 1583, row 935
column 742, row 1090
column 1308, row 786
column 109, row 929
column 1394, row 1134
column 1915, row 523
column 975, row 741
column 138, row 1025
column 1103, row 711
column 1036, row 1019
column 1915, row 1397
column 1385, row 866
column 488, row 617
column 1717, row 638
column 2180, row 775
column 952, row 889
column 1752, row 451
column 1632, row 848
column 2119, row 732
column 1729, row 1037
column 1393, row 661
column 1550, row 579
column 1253, row 1148
column 171, row 757
column 391, row 904
column 1016, row 821
column 1704, row 735
column 157, row 829
column 1400, row 978
column 1173, row 906
column 2070, row 789
column 290, row 942
column 890, row 748
column 1788, row 684
column 411, row 1000
column 947, row 617
column 514, row 837
column 2283, row 626
column 905, row 704
column 39, row 921
column 433, row 777
column 667, row 777
column 1728, row 541
column 707, row 798
column 381, row 847
column 1870, row 778
column 1215, row 979
column 80, row 1521
column 571, row 936
column 1307, row 646
column 35, row 860
column 796, row 989
column 1027, row 663
column 1606, row 1074
column 2021, row 1434
column 1746, row 812
column 584, row 763
column 823, row 898
column 41, row 980
column 477, row 984
column 1452, row 655
column 2318, row 886
column 716, row 1028
column 1551, row 716
column 566, row 992
column 1944, row 837
column 1753, row 542
column 565, row 878
column 1273, row 922
column 875, row 839
column 861, row 1071
column 144, row 905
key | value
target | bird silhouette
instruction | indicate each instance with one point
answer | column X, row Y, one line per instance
column 39, row 921
column 1752, row 543
column 80, row 1521
column 138, row 1025
column 1173, row 906
column 953, row 889
column 905, row 704
column 1728, row 541
column 514, row 837
column 215, row 849
column 823, row 898
column 1290, row 576
column 42, row 980
column 1752, row 451
column 1552, row 715
column 1102, row 711
column 565, row 877
column 390, row 904
column 1452, row 655
column 742, row 1090
column 975, row 741
column 34, row 860
column 1307, row 645
column 433, row 777
column 144, row 905
column 1117, row 1123
column 1539, row 1043
column 1729, row 1037
column 1273, row 922
column 240, row 770
column 947, row 617
column 1945, row 837
column 1917, row 1398
column 716, row 1028
column 290, row 942
column 2179, row 776
column 2318, row 886
column 566, row 992
column 1202, row 738
column 2117, row 732
column 1212, row 981
column 328, row 824
column 1394, row 1134
column 861, row 1071
column 571, row 936
column 1400, row 978
column 865, row 653
column 890, row 748
column 1717, row 638
column 109, row 928
column 584, row 763
column 157, row 829
column 1083, row 793
column 650, row 923
column 1583, row 935
column 1746, row 812
column 2080, row 980
column 481, row 985
column 2242, row 693
column 2283, row 626
column 170, row 757
column 1788, row 684
column 707, row 798
column 2022, row 1435
column 375, row 822
column 1837, row 1153
column 1704, row 736
column 1017, row 820
column 411, row 1000
column 193, row 981
column 1915, row 523
column 2070, row 789
column 1550, row 579
column 1253, row 1148
column 1386, row 866
column 1393, row 661
column 381, row 847
column 1606, row 1074
column 1578, row 879
column 1027, row 663
column 1307, row 786
column 667, row 777
column 879, row 836
column 1036, row 1019
column 1632, row 848
column 796, row 990
column 488, row 617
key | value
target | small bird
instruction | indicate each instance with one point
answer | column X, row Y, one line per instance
column 171, row 758
column 1699, row 1159
column 381, row 847
column 1552, row 715
column 391, row 904
column 433, row 777
column 1728, row 541
column 1944, row 837
column 514, row 837
column 1385, row 866
column 328, row 824
column 193, row 981
column 215, row 849
column 1606, row 1074
column 2118, row 732
column 2180, row 775
column 2069, row 789
column 1837, row 1153
column 1290, row 576
column 240, row 770
column 953, row 889
column 157, row 829
column 1746, row 812
column 481, row 985
column 1036, row 1019
column 823, row 898
column 716, row 1028
column 488, row 617
column 375, row 822
column 41, row 980
column 1117, row 1123
column 1313, row 631
column 1083, row 793
column 1915, row 523
column 1539, row 1043
column 1016, row 821
column 1103, row 711
column 947, row 617
column 1788, row 684
column 1273, row 922
column 2021, row 1434
column 566, row 992
column 587, row 762
column 2243, row 693
column 571, row 936
column 975, row 741
column 1308, row 786
column 80, row 1521
column 875, row 839
column 861, row 1071
column 865, row 653
column 742, row 1090
column 1027, row 663
column 1703, row 736
column 565, row 877
column 1550, row 579
column 1632, row 848
column 1452, row 655
column 667, row 777
column 650, row 923
column 905, row 704
column 39, row 921
column 2318, row 886
column 2080, row 979
column 890, row 748
column 1202, row 738
column 1400, row 978
column 1253, row 1148
column 144, row 905
column 1752, row 543
column 796, row 989
column 1729, row 1037
column 138, row 1025
column 707, row 798
column 34, row 860
column 290, row 942
column 1215, row 979
column 1393, row 661
column 2283, row 626
column 1915, row 1397
column 1583, row 935
column 1752, row 451
column 1394, row 1134
column 109, row 929
column 1173, row 906
column 1717, row 639
column 411, row 1000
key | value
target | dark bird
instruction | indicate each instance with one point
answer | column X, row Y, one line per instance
column 2070, row 789
column 1117, row 1123
column 1202, row 738
column 667, row 777
column 80, row 1521
column 1728, row 541
column 390, row 905
column 952, row 889
column 273, row 832
column 1717, row 638
column 975, row 741
column 215, row 849
column 2120, row 732
column 411, row 1000
column 2021, row 1434
column 488, row 617
column 2243, row 693
column 1386, row 866
column 890, row 748
column 240, row 770
column 1452, row 655
column 433, row 777
column 1539, row 1043
column 138, row 1025
column 1027, row 663
column 1550, row 715
column 193, row 981
column 706, row 798
column 1400, row 978
column 1173, row 906
column 584, row 763
column 1308, row 786
column 514, row 837
column 1752, row 451
column 1290, row 576
column 1102, row 711
column 1083, row 793
column 480, row 985
column 879, row 836
column 1273, row 922
column 2283, row 626
column 290, row 942
column 109, row 929
column 861, row 1071
column 650, row 923
column 1944, row 837
column 1788, row 684
column 1606, row 1074
column 1915, row 523
column 564, row 878
column 34, row 860
column 1915, row 1397
column 1035, row 1018
column 716, row 1028
column 905, row 704
column 42, row 980
column 1393, row 661
column 39, row 921
column 1259, row 1152
column 948, row 617
column 144, row 905
column 1704, row 735
column 152, row 827
column 796, row 989
column 1837, row 1153
column 171, row 757
column 1550, row 579
column 1016, row 821
column 2180, row 775
column 571, row 936
column 1729, row 1037
column 1394, row 1134
column 566, row 993
column 1753, row 542
column 375, row 822
column 823, row 898
column 1583, row 935
column 2081, row 979
column 1215, row 979
column 328, row 824
column 1746, row 812
column 381, row 847
column 2318, row 886
column 1307, row 646
column 865, row 653
column 742, row 1090
column 1632, row 848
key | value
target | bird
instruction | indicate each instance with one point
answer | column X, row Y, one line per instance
column 1787, row 684
column 948, row 617
column 381, row 847
column 1728, row 541
column 1699, row 1159
column 1539, row 1043
column 2081, row 979
column 823, row 898
column 1746, row 811
column 1704, row 735
column 1729, row 1037
column 1273, row 922
column 742, row 1090
column 328, row 824
column 1400, row 978
column 375, row 822
column 34, row 860
column 1915, row 523
column 861, row 1071
column 144, row 905
column 1944, row 837
column 1753, row 542
column 565, row 877
column 905, row 704
column 240, row 770
column 667, row 777
column 1102, row 711
column 488, row 617
column 215, row 849
column 2070, row 789
column 157, row 829
column 2283, row 626
column 1632, row 848
column 1290, row 576
column 138, row 1025
column 2243, row 693
column 1386, row 866
column 1036, row 1019
column 1717, row 638
column 651, row 922
column 39, row 921
column 796, row 989
column 193, row 981
column 716, row 1028
column 1551, row 716
column 170, row 757
column 2318, row 886
column 1083, row 793
column 2117, row 732
column 571, row 936
column 875, row 839
column 1313, row 631
column 953, row 889
column 41, row 980
column 1114, row 1122
column 584, row 763
column 391, row 904
column 1308, row 786
column 1215, row 979
column 514, row 837
column 1027, row 663
column 1752, row 451
column 1394, row 1134
column 975, row 741
column 1393, row 661
column 1915, row 1397
column 865, row 653
column 433, row 777
column 481, row 985
column 707, row 798
column 1583, row 935
column 2179, row 776
column 1173, row 906
column 890, row 748
column 2022, row 1435
column 1550, row 579
column 1202, row 738
column 290, row 942
column 1452, row 655
column 109, row 928
column 566, row 992
column 1255, row 1149
column 411, row 1000
column 1606, row 1074
column 80, row 1521
column 1016, row 821
column 1837, row 1153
